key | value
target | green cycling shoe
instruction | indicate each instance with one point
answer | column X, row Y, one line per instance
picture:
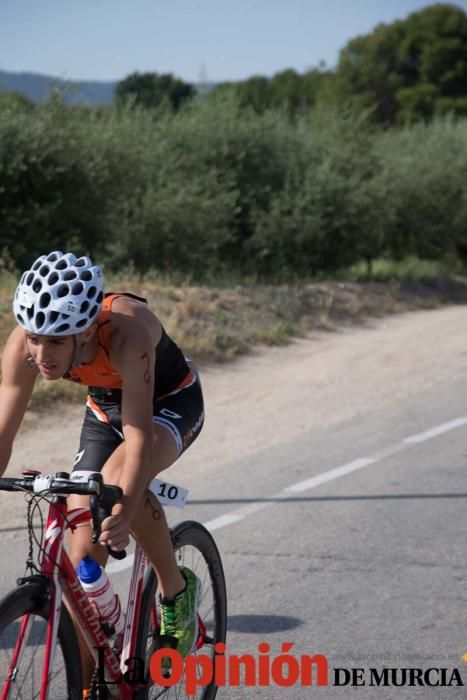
column 179, row 617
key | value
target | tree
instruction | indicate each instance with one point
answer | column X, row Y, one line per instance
column 255, row 92
column 318, row 86
column 286, row 91
column 152, row 90
column 16, row 102
column 409, row 69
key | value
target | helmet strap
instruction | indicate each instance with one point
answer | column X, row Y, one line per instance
column 78, row 353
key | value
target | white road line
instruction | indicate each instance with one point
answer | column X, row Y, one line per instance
column 389, row 451
column 329, row 476
column 224, row 521
column 315, row 481
column 240, row 513
column 438, row 430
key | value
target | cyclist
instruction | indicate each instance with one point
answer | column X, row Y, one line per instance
column 144, row 408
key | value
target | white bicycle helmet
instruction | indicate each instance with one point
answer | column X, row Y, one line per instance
column 60, row 295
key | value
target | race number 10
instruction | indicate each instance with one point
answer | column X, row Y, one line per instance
column 168, row 494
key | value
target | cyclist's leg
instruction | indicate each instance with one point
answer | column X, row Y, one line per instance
column 98, row 442
column 149, row 525
column 178, row 419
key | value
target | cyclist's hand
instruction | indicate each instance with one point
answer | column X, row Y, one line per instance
column 115, row 532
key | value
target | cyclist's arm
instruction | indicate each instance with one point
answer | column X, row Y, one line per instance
column 134, row 357
column 15, row 391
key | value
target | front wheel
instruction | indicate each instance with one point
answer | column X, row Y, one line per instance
column 194, row 548
column 25, row 609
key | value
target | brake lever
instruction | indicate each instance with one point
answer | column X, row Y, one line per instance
column 99, row 514
column 96, row 519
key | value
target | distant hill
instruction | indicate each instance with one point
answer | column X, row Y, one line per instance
column 38, row 87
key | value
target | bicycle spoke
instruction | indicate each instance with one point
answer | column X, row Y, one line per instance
column 206, row 592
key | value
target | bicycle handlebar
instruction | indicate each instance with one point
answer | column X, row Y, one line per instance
column 38, row 484
column 103, row 496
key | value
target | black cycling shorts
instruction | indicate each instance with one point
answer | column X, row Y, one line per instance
column 181, row 413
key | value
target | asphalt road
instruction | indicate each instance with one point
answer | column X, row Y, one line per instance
column 368, row 569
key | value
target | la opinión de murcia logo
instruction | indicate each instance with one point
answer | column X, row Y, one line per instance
column 398, row 677
column 264, row 670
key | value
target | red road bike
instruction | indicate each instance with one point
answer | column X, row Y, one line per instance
column 39, row 652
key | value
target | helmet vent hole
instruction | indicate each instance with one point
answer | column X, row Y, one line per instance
column 63, row 290
column 37, row 264
column 20, row 319
column 81, row 262
column 62, row 328
column 82, row 322
column 37, row 286
column 53, row 278
column 44, row 271
column 30, row 313
column 61, row 265
column 44, row 301
column 100, row 297
column 77, row 288
column 53, row 316
column 70, row 275
column 93, row 312
column 30, row 278
column 84, row 307
column 40, row 319
column 85, row 275
column 92, row 291
column 52, row 257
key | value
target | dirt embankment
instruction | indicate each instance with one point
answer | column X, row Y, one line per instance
column 216, row 325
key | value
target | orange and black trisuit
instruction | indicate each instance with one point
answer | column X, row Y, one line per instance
column 177, row 404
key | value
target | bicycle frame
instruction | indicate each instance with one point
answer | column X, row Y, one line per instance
column 64, row 582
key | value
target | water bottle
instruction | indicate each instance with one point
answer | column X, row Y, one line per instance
column 96, row 583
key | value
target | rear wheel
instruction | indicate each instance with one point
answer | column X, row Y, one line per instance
column 194, row 548
column 28, row 603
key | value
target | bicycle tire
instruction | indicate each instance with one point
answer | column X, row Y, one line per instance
column 186, row 534
column 29, row 599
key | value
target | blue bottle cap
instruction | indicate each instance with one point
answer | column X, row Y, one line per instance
column 88, row 570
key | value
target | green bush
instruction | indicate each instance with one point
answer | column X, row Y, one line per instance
column 65, row 174
column 328, row 215
column 219, row 189
column 211, row 171
column 425, row 171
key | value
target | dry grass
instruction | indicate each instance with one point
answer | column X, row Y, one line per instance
column 217, row 325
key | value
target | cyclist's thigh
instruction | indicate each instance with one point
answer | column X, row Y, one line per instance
column 181, row 414
column 99, row 439
column 98, row 442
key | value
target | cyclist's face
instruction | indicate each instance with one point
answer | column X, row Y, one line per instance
column 53, row 355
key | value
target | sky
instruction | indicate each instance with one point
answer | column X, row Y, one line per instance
column 195, row 40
